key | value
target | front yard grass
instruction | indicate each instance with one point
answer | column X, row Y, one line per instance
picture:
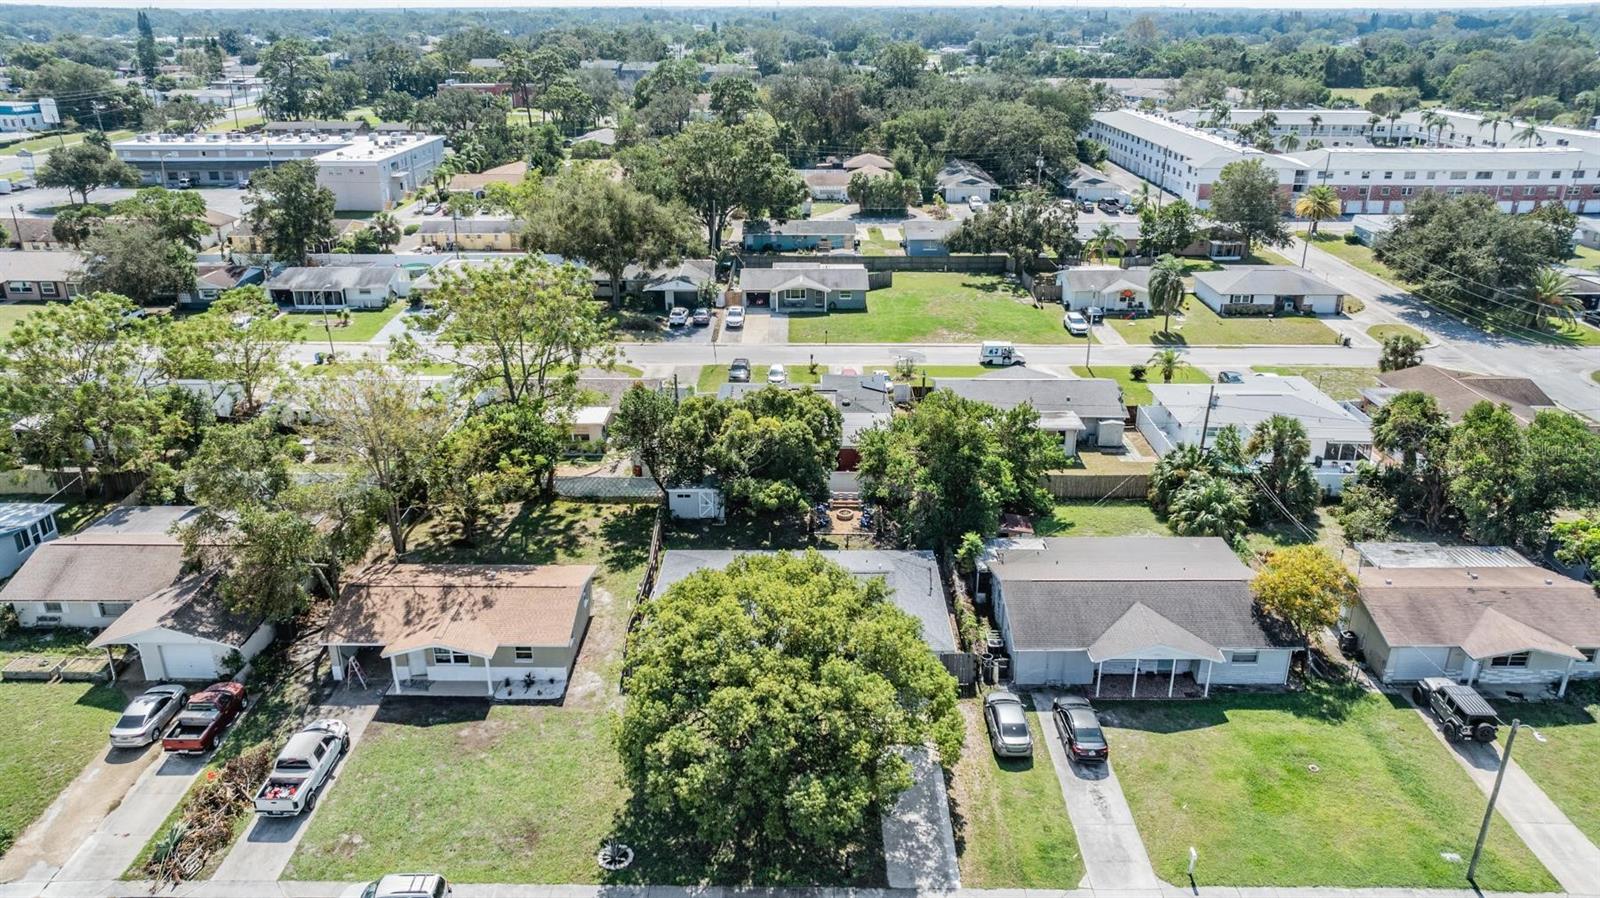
column 712, row 377
column 13, row 312
column 48, row 732
column 1381, row 332
column 1200, row 326
column 938, row 307
column 1137, row 392
column 364, row 324
column 1338, row 383
column 1011, row 824
column 1357, row 254
column 1326, row 787
column 821, row 207
column 1563, row 764
column 1084, row 518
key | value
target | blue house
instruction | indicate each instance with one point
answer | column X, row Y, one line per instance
column 926, row 238
column 792, row 236
column 23, row 526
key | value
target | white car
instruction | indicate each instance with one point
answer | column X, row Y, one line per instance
column 143, row 721
column 976, row 203
column 1076, row 324
column 408, row 885
column 678, row 317
column 777, row 374
column 302, row 768
column 734, row 317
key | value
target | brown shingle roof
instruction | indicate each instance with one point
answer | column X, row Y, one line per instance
column 471, row 608
column 190, row 607
column 510, row 173
column 1487, row 612
column 97, row 568
column 1457, row 392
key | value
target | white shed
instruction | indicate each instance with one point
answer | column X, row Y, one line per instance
column 695, row 503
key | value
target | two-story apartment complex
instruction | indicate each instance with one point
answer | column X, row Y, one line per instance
column 1183, row 160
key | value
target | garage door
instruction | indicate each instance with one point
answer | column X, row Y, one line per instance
column 188, row 662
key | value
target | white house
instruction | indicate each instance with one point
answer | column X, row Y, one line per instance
column 23, row 527
column 186, row 632
column 90, row 578
column 588, row 425
column 1507, row 627
column 960, row 181
column 491, row 630
column 1082, row 411
column 1109, row 288
column 1340, row 435
column 1267, row 290
column 338, row 287
column 1140, row 615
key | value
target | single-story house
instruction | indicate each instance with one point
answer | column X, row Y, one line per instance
column 789, row 236
column 481, row 234
column 1186, row 414
column 495, row 630
column 23, row 527
column 960, row 180
column 1583, row 287
column 868, row 160
column 34, row 233
column 805, row 287
column 1076, row 610
column 475, row 183
column 864, row 401
column 186, row 632
column 673, row 285
column 912, row 577
column 1505, row 627
column 212, row 279
column 926, row 237
column 1457, row 391
column 339, row 287
column 1266, row 290
column 90, row 578
column 29, row 275
column 1092, row 186
column 1082, row 411
column 1126, row 228
column 243, row 238
column 832, row 184
column 589, row 423
column 1113, row 290
column 607, row 390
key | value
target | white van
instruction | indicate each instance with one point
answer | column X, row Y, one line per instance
column 999, row 352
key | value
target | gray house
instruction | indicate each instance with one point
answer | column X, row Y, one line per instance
column 1155, row 614
column 23, row 526
column 960, row 181
column 1083, row 411
column 790, row 236
column 337, row 287
column 1267, row 289
column 790, row 287
column 926, row 237
column 1113, row 290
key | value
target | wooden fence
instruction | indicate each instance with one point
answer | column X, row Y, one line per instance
column 1084, row 485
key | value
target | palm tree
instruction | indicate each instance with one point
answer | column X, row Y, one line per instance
column 1529, row 133
column 1492, row 121
column 1209, row 506
column 1314, row 144
column 1393, row 116
column 1166, row 290
column 1221, row 114
column 1372, row 125
column 1289, row 141
column 1105, row 238
column 1433, row 120
column 387, row 229
column 1316, row 123
column 1316, row 204
column 1169, row 362
column 1551, row 297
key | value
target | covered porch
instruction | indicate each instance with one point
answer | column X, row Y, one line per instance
column 439, row 671
column 1145, row 650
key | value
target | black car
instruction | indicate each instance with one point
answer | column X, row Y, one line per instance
column 1080, row 729
column 739, row 371
column 1462, row 713
column 1110, row 206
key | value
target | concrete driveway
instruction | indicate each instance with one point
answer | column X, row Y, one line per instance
column 44, row 847
column 264, row 850
column 1113, row 852
column 117, row 841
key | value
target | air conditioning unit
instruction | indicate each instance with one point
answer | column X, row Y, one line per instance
column 47, row 620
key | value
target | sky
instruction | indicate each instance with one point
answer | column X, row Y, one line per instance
column 794, row 4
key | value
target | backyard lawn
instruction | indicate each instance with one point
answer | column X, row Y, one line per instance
column 1137, row 392
column 1563, row 764
column 1084, row 518
column 1011, row 823
column 938, row 307
column 1200, row 326
column 1326, row 787
column 821, row 208
column 364, row 324
column 877, row 244
column 1338, row 383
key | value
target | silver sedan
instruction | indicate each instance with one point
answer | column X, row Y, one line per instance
column 147, row 716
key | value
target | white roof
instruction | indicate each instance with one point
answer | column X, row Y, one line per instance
column 1237, row 117
column 1203, row 150
column 1257, row 399
column 1463, row 158
column 592, row 414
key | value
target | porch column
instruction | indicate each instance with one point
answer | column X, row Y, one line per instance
column 488, row 676
column 111, row 662
column 1565, row 676
column 1134, row 692
column 1099, row 670
column 394, row 674
column 1209, row 665
column 1173, row 679
column 337, row 660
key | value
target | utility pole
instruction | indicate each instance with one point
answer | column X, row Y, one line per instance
column 1205, row 423
column 1494, row 794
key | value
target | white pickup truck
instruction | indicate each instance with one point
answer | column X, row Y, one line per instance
column 303, row 768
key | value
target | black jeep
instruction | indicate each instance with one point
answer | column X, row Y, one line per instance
column 1462, row 713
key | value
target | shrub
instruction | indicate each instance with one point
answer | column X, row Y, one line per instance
column 1137, row 373
column 8, row 627
column 1353, row 306
column 412, row 229
column 1352, row 239
column 1366, row 513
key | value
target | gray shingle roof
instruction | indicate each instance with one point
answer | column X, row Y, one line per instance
column 16, row 515
column 1100, row 277
column 778, row 277
column 1088, row 398
column 1281, row 280
column 958, row 171
column 1487, row 611
column 333, row 277
column 922, row 229
column 191, row 607
column 809, row 227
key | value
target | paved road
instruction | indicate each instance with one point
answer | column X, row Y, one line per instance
column 1113, row 852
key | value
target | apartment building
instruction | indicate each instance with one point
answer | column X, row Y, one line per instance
column 1184, row 160
column 1383, row 181
column 28, row 115
column 1334, row 127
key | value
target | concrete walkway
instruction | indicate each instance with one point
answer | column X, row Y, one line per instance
column 1563, row 849
column 50, row 841
column 116, row 843
column 1113, row 852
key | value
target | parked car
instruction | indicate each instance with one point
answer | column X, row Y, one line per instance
column 739, row 371
column 777, row 374
column 976, row 203
column 430, row 209
column 1076, row 324
column 201, row 722
column 1085, row 206
column 734, row 317
column 1080, row 729
column 678, row 317
column 185, row 183
column 143, row 721
column 1462, row 713
column 701, row 317
column 1008, row 725
column 1110, row 206
column 408, row 885
column 1230, row 377
column 302, row 768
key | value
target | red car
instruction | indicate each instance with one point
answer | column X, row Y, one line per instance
column 201, row 722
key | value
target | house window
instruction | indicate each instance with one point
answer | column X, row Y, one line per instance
column 1458, row 176
column 49, row 524
column 53, row 608
column 524, row 652
column 23, row 542
column 1348, row 452
column 19, row 287
column 1244, row 657
column 1410, row 176
column 49, row 288
column 112, row 609
column 450, row 656
column 1520, row 659
column 1484, row 175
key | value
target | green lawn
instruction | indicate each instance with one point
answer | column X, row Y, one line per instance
column 1136, row 392
column 819, row 207
column 1232, row 776
column 1357, row 254
column 712, row 377
column 1084, row 518
column 1585, row 257
column 878, row 245
column 1338, row 383
column 1573, row 333
column 364, row 324
column 1200, row 326
column 938, row 307
column 1381, row 332
column 1563, row 764
column 1011, row 824
column 13, row 312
